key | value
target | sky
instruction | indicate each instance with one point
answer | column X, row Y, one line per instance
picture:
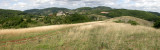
column 147, row 5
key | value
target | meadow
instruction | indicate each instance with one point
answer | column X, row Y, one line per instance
column 101, row 35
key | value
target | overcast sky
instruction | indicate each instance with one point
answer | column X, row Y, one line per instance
column 148, row 5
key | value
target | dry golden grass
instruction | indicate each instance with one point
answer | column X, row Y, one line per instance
column 112, row 36
column 97, row 36
column 54, row 27
column 138, row 20
column 101, row 35
column 40, row 29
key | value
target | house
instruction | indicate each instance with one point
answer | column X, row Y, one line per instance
column 104, row 12
column 61, row 13
column 50, row 14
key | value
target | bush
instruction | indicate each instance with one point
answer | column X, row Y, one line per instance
column 157, row 24
column 77, row 18
column 59, row 20
column 23, row 25
column 72, row 18
column 132, row 22
column 47, row 20
column 28, row 20
column 12, row 22
column 119, row 21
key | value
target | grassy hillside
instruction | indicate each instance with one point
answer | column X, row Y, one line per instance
column 104, row 35
column 40, row 17
column 79, row 29
column 125, row 19
column 156, row 13
column 94, row 10
column 5, row 13
column 18, row 19
column 135, row 13
column 45, row 11
column 14, row 18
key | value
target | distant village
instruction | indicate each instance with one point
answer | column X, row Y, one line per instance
column 62, row 13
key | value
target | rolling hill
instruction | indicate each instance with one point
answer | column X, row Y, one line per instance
column 156, row 13
column 45, row 11
column 135, row 13
column 119, row 30
column 84, row 28
column 101, row 35
column 47, row 16
column 128, row 18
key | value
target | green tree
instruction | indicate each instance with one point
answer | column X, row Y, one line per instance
column 29, row 20
column 47, row 20
column 157, row 24
column 23, row 25
column 76, row 18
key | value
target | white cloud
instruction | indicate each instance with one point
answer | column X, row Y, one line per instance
column 15, row 0
column 20, row 4
column 148, row 5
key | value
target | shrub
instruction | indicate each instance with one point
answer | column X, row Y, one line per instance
column 77, row 18
column 157, row 24
column 132, row 22
column 119, row 21
column 47, row 20
column 23, row 25
column 29, row 20
column 59, row 20
column 12, row 22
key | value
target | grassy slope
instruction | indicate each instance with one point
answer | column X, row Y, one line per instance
column 41, row 28
column 99, row 36
column 16, row 34
column 138, row 20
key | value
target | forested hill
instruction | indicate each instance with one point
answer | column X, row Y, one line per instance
column 156, row 13
column 45, row 11
column 99, row 8
column 9, row 13
column 47, row 16
column 5, row 13
column 135, row 13
column 84, row 10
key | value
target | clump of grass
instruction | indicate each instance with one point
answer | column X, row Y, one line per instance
column 132, row 22
column 119, row 21
column 129, row 21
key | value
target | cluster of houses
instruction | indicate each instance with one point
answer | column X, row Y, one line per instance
column 62, row 13
column 104, row 12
